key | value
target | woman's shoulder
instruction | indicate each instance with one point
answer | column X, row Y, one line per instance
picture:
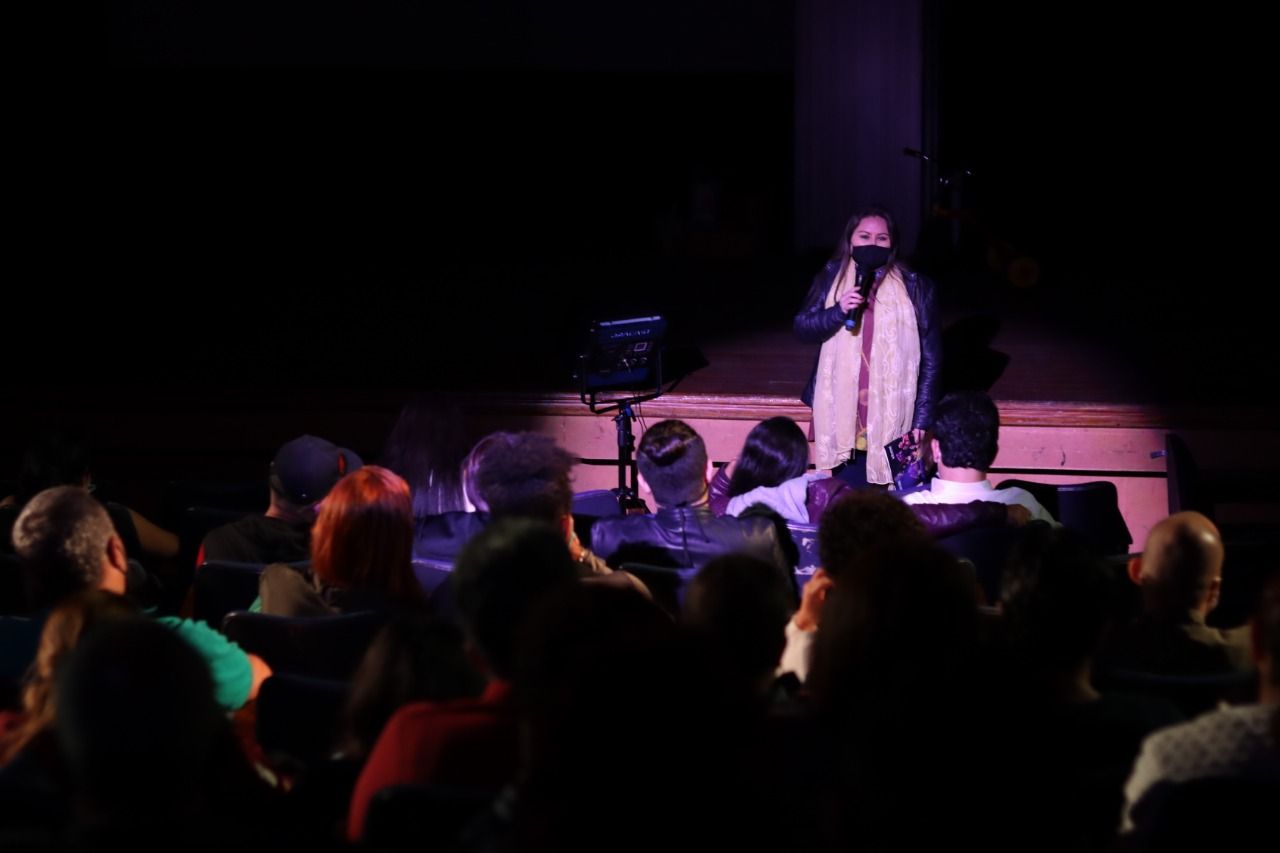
column 914, row 278
column 288, row 591
column 787, row 498
column 828, row 271
column 282, row 577
column 820, row 285
column 286, row 571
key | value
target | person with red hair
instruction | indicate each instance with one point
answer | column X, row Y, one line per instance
column 361, row 553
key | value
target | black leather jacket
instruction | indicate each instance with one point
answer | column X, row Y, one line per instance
column 684, row 537
column 939, row 519
column 815, row 323
column 442, row 537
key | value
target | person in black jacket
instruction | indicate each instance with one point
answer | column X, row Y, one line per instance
column 685, row 532
column 878, row 373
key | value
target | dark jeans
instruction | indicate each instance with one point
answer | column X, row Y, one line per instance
column 853, row 472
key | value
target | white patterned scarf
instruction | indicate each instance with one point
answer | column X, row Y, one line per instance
column 891, row 386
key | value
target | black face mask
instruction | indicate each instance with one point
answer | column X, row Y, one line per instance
column 870, row 257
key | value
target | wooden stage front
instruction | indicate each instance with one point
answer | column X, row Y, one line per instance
column 1063, row 417
column 1072, row 410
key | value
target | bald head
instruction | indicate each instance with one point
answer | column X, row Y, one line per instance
column 1182, row 563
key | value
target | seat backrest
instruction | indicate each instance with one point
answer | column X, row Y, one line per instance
column 300, row 717
column 316, row 646
column 1192, row 694
column 666, row 584
column 988, row 549
column 1045, row 493
column 13, row 586
column 19, row 640
column 1093, row 509
column 431, row 574
column 1210, row 813
column 422, row 817
column 443, row 536
column 1185, row 482
column 596, row 502
column 195, row 522
column 221, row 586
column 805, row 538
column 590, row 506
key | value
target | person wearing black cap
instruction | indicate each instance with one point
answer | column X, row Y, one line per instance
column 302, row 473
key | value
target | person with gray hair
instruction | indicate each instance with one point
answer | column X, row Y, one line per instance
column 67, row 545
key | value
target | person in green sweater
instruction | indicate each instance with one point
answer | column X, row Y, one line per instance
column 67, row 545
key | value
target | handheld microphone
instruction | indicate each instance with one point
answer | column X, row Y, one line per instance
column 866, row 277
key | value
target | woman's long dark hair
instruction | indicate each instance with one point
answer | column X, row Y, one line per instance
column 775, row 451
column 426, row 447
column 840, row 257
column 842, row 249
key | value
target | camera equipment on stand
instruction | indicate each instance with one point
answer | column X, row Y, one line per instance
column 620, row 367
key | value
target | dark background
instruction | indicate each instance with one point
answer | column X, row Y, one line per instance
column 403, row 194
